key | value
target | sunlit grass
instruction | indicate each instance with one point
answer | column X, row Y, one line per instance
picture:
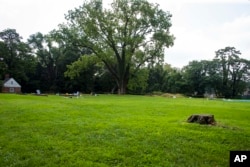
column 109, row 130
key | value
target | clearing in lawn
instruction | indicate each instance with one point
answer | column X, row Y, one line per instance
column 110, row 130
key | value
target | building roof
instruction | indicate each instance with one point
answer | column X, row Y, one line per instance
column 11, row 82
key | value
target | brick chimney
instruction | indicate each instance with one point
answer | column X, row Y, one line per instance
column 7, row 76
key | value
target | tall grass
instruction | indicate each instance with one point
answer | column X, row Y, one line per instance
column 109, row 130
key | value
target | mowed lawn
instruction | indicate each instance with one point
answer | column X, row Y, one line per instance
column 112, row 130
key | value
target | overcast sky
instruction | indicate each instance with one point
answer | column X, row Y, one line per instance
column 201, row 27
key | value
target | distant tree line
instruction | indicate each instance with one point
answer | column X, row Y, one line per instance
column 48, row 63
column 117, row 50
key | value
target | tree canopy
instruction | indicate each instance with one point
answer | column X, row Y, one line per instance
column 124, row 36
column 227, row 75
column 235, row 71
column 16, row 57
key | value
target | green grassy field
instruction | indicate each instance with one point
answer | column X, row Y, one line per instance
column 110, row 130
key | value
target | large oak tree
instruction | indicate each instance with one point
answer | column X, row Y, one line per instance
column 124, row 36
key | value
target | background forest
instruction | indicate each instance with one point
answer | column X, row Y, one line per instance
column 79, row 58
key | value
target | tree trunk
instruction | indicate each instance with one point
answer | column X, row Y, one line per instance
column 122, row 86
column 202, row 119
column 122, row 81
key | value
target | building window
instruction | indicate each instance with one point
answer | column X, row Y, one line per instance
column 12, row 90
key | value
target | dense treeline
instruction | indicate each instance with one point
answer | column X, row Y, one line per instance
column 116, row 50
column 45, row 63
